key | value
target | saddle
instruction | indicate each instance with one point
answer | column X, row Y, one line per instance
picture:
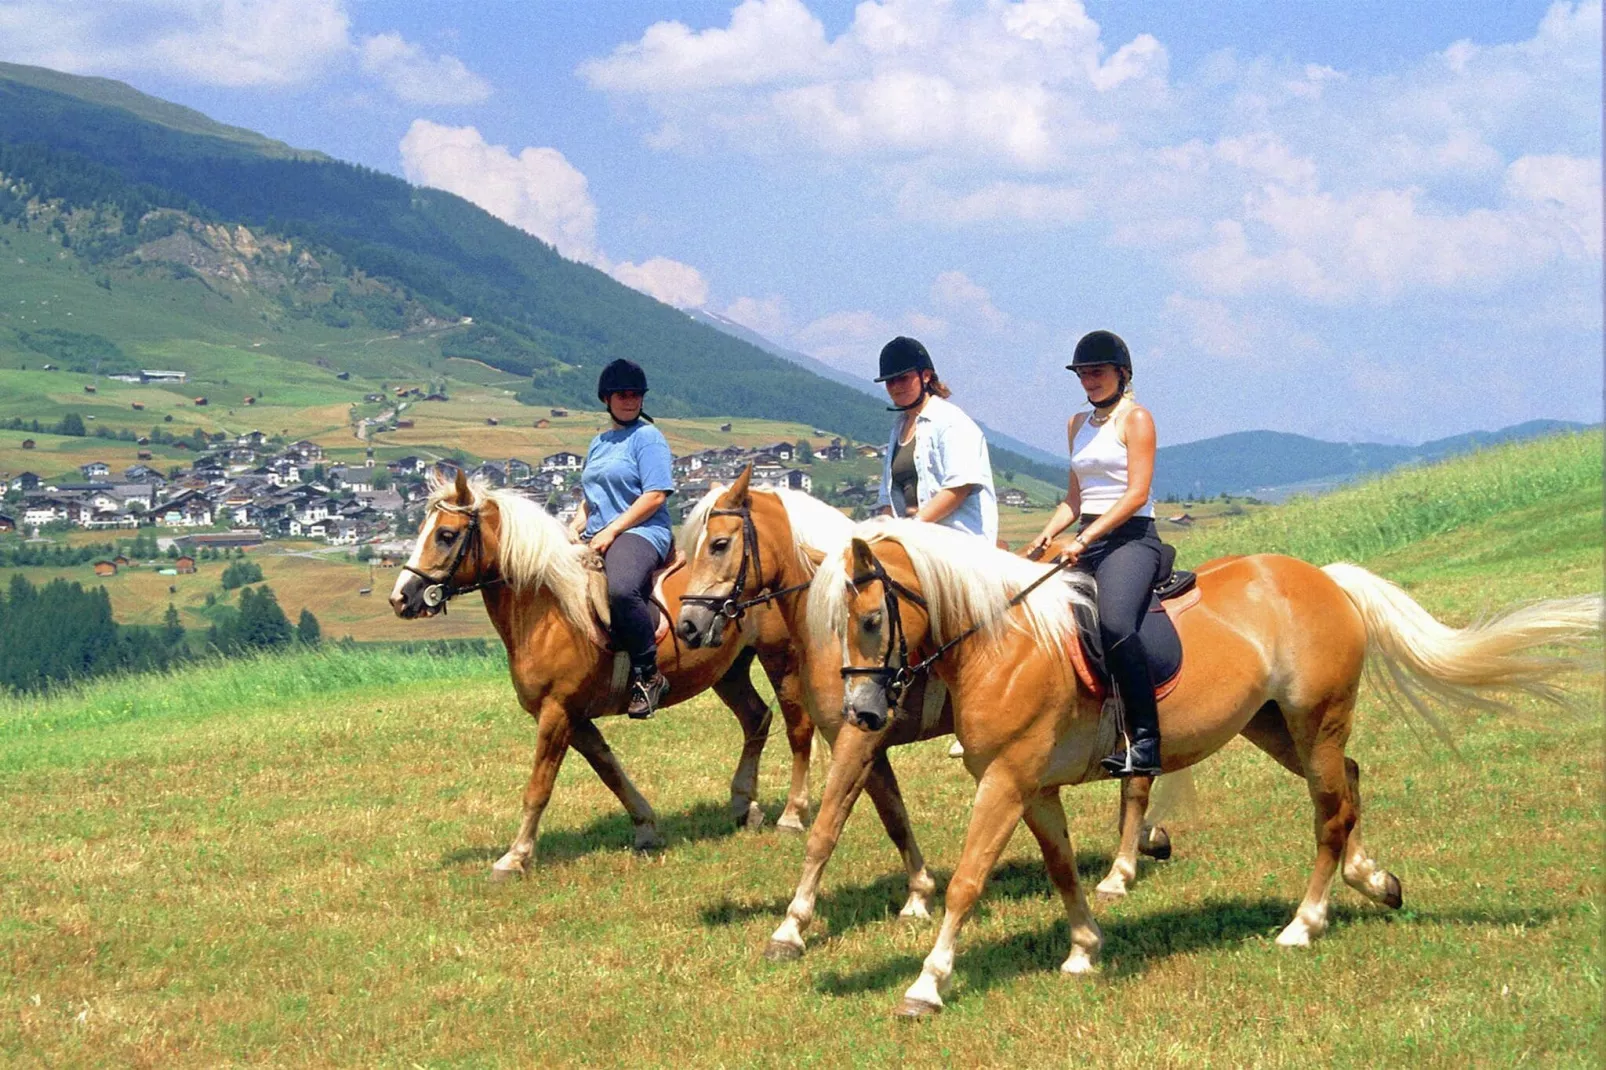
column 598, row 594
column 1175, row 592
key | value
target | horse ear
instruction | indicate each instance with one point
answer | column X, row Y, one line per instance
column 863, row 559
column 738, row 493
column 461, row 489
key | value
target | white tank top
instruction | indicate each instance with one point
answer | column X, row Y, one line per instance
column 1098, row 457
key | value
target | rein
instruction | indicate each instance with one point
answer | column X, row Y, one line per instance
column 731, row 606
column 896, row 678
column 440, row 589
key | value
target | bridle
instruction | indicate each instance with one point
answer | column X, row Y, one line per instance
column 440, row 589
column 732, row 606
column 896, row 676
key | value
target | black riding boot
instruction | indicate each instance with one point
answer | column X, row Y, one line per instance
column 1128, row 664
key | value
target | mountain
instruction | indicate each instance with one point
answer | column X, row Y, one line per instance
column 1270, row 464
column 1025, row 457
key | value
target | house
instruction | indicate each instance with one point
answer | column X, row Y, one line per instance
column 781, row 451
column 150, row 376
column 185, row 565
column 490, row 472
column 309, row 452
column 517, row 471
column 725, row 428
column 7, row 523
column 95, row 469
column 834, row 452
column 143, row 455
column 139, row 406
column 200, row 401
column 88, row 389
column 562, row 461
column 27, row 443
column 559, row 412
column 133, row 495
column 27, row 482
column 121, row 561
column 404, row 425
column 1182, row 519
column 251, row 440
column 871, row 451
column 249, row 400
column 190, row 509
column 491, row 421
column 543, row 422
column 105, row 568
column 1013, row 496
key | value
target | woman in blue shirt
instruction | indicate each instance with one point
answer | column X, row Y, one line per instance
column 626, row 482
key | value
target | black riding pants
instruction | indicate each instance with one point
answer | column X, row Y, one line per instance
column 629, row 564
column 1126, row 564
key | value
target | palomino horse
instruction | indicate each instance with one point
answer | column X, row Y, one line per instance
column 1275, row 651
column 537, row 588
column 750, row 547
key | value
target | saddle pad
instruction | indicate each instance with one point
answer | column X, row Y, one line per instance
column 1160, row 640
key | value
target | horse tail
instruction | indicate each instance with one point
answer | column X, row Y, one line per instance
column 1412, row 655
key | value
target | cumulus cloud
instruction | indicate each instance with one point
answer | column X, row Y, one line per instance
column 767, row 41
column 954, row 291
column 665, row 280
column 239, row 43
column 1021, row 202
column 416, row 78
column 768, row 316
column 538, row 190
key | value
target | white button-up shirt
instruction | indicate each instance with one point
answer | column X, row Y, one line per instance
column 950, row 451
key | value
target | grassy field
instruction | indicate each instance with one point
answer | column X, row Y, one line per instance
column 284, row 862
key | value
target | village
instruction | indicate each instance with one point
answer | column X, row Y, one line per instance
column 253, row 488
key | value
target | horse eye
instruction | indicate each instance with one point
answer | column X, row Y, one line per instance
column 446, row 535
column 871, row 621
column 719, row 545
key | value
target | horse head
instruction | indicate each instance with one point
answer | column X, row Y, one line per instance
column 456, row 552
column 886, row 621
column 723, row 566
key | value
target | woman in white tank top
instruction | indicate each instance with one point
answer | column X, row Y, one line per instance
column 1112, row 465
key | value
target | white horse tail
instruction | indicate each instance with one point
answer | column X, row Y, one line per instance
column 1421, row 657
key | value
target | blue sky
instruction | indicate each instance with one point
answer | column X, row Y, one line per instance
column 1361, row 221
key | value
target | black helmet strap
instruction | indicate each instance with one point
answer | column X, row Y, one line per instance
column 925, row 392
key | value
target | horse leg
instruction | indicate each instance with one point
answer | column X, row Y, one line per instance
column 587, row 739
column 785, row 676
column 1335, row 813
column 1000, row 804
column 736, row 689
column 1124, row 869
column 552, row 734
column 1360, row 871
column 852, row 761
column 1045, row 816
column 883, row 789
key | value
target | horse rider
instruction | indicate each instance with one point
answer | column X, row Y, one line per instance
column 937, row 468
column 626, row 482
column 1112, row 465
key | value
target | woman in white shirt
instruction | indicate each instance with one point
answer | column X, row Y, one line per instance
column 936, row 468
column 1112, row 466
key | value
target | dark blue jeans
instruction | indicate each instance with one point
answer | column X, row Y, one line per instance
column 629, row 565
column 1126, row 563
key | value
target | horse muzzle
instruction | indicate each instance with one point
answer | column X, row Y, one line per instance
column 413, row 598
column 700, row 626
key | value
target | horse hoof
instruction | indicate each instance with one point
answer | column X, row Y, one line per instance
column 753, row 820
column 1392, row 898
column 1155, row 843
column 791, row 823
column 911, row 1010
column 780, row 951
column 503, row 876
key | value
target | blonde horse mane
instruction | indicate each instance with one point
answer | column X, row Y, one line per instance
column 535, row 548
column 816, row 526
column 964, row 581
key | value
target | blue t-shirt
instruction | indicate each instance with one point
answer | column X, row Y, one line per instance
column 622, row 464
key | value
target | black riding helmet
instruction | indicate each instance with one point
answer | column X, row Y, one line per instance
column 1101, row 347
column 622, row 375
column 902, row 355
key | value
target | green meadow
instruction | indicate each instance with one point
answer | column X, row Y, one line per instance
column 284, row 862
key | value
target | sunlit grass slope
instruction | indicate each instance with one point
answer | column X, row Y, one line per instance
column 283, row 862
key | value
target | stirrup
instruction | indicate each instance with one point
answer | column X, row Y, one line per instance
column 1122, row 764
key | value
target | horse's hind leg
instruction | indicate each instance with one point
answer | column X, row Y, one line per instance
column 784, row 671
column 736, row 689
column 1360, row 871
column 1322, row 754
column 553, row 731
column 1045, row 816
column 888, row 799
column 594, row 749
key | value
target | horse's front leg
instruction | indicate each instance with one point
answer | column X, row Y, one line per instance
column 553, row 732
column 587, row 739
column 1124, row 869
column 853, row 755
column 736, row 689
column 785, row 673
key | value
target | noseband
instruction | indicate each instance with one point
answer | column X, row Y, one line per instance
column 731, row 606
column 440, row 589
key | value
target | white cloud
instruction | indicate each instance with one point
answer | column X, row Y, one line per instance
column 665, row 280
column 417, row 79
column 768, row 316
column 1029, row 202
column 954, row 291
column 236, row 43
column 767, row 41
column 538, row 190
